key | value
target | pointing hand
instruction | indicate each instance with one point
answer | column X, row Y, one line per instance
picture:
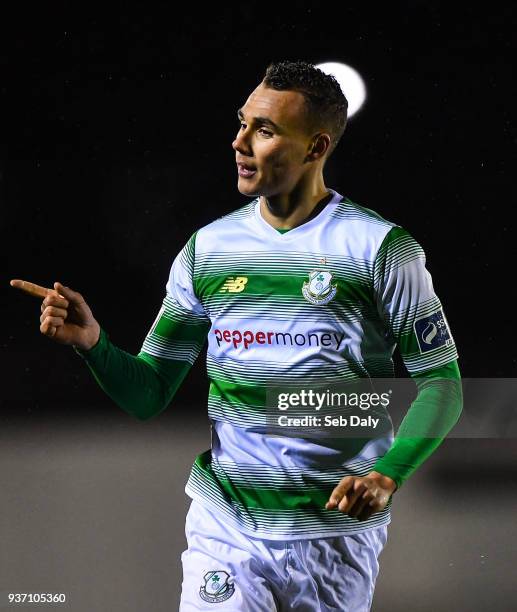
column 65, row 316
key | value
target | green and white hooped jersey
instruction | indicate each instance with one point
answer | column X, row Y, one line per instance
column 323, row 303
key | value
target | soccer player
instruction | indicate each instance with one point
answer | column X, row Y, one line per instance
column 300, row 286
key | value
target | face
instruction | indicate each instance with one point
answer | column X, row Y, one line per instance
column 272, row 142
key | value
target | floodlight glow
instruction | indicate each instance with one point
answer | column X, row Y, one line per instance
column 350, row 81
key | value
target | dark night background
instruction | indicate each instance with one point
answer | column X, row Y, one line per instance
column 116, row 146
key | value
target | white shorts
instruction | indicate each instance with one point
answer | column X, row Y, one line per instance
column 225, row 569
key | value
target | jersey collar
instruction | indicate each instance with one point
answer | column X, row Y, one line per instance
column 300, row 229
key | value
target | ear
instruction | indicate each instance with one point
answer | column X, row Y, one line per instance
column 318, row 147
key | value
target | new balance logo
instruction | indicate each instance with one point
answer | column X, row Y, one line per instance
column 234, row 284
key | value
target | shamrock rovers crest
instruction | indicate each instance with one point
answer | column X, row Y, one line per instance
column 216, row 587
column 318, row 289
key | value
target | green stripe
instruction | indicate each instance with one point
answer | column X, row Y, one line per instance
column 275, row 497
column 263, row 285
column 245, row 396
column 169, row 328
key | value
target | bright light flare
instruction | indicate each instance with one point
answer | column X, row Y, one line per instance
column 350, row 81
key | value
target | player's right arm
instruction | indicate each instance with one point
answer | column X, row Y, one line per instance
column 65, row 315
column 144, row 384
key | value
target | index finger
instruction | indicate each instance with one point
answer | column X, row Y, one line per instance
column 339, row 491
column 31, row 288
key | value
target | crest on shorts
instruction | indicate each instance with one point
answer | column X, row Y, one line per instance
column 319, row 288
column 217, row 587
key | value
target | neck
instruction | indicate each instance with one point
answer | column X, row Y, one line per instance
column 287, row 211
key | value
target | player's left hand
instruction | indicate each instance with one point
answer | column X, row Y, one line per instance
column 362, row 496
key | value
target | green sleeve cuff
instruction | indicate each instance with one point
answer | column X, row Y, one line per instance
column 93, row 354
column 405, row 456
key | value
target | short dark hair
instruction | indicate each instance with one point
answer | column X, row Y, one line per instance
column 325, row 102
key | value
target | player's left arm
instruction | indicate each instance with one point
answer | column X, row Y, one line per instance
column 414, row 316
